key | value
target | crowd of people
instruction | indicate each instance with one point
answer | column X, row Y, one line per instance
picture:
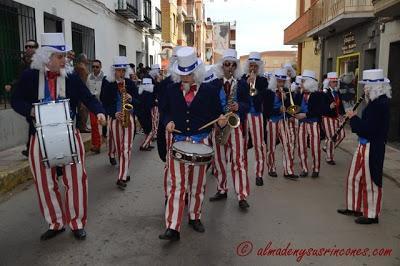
column 229, row 108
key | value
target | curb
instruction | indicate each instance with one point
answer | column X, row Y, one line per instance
column 13, row 178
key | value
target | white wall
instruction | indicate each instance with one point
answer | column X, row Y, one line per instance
column 391, row 34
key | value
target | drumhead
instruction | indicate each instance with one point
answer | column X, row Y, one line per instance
column 190, row 147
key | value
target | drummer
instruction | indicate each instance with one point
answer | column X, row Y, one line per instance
column 188, row 105
column 47, row 80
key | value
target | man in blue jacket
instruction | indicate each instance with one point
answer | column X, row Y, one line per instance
column 364, row 181
column 47, row 80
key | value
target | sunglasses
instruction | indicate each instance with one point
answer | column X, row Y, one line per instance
column 30, row 46
column 95, row 66
column 228, row 64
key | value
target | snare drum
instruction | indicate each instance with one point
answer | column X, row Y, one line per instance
column 192, row 153
column 55, row 133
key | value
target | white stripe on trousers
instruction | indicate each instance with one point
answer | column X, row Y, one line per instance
column 184, row 178
column 112, row 149
column 278, row 130
column 168, row 141
column 123, row 138
column 155, row 117
column 362, row 192
column 75, row 183
column 256, row 129
column 232, row 151
column 309, row 131
column 330, row 125
column 293, row 124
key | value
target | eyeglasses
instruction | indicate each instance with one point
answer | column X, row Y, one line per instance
column 30, row 46
column 95, row 66
column 228, row 64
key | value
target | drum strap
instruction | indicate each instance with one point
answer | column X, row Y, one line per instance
column 42, row 86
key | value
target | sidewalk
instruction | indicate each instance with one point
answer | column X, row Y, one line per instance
column 14, row 167
column 391, row 167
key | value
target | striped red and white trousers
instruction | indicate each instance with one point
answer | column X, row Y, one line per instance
column 331, row 124
column 74, row 212
column 293, row 124
column 233, row 151
column 95, row 130
column 184, row 178
column 279, row 130
column 362, row 194
column 112, row 149
column 155, row 117
column 309, row 131
column 256, row 130
column 123, row 139
column 168, row 140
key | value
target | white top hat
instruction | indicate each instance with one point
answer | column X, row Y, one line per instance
column 120, row 62
column 332, row 76
column 155, row 66
column 254, row 56
column 280, row 74
column 309, row 74
column 287, row 65
column 229, row 54
column 298, row 80
column 147, row 81
column 147, row 85
column 210, row 76
column 187, row 61
column 54, row 42
column 374, row 76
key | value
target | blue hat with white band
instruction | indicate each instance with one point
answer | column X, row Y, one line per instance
column 187, row 61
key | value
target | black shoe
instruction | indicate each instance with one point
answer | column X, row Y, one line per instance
column 243, row 204
column 25, row 153
column 128, row 178
column 349, row 212
column 219, row 196
column 171, row 235
column 121, row 184
column 59, row 171
column 259, row 181
column 292, row 177
column 51, row 233
column 197, row 225
column 315, row 174
column 273, row 174
column 85, row 130
column 144, row 149
column 365, row 220
column 150, row 147
column 79, row 234
column 331, row 162
column 113, row 161
column 304, row 174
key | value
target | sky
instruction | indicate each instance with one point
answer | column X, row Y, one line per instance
column 259, row 23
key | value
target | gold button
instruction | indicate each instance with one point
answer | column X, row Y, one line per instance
column 187, row 121
column 188, row 129
column 187, row 112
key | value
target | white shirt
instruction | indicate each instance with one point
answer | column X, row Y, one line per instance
column 94, row 83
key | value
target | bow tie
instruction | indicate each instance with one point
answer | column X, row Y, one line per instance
column 192, row 88
column 52, row 75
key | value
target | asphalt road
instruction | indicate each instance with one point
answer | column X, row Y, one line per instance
column 123, row 226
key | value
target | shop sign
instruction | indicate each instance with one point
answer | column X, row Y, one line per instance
column 349, row 43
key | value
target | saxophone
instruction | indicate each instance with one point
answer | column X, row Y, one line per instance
column 233, row 119
column 126, row 107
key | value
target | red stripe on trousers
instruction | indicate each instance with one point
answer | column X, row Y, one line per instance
column 310, row 130
column 96, row 139
column 257, row 135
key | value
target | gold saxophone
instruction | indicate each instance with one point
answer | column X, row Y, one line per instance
column 126, row 107
column 253, row 91
column 233, row 119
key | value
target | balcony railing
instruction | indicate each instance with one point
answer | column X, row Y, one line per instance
column 324, row 11
column 386, row 8
column 128, row 8
column 157, row 19
column 298, row 29
column 147, row 11
column 191, row 12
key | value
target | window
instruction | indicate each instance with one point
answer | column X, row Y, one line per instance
column 83, row 40
column 17, row 25
column 151, row 60
column 158, row 18
column 52, row 23
column 329, row 65
column 122, row 50
column 147, row 11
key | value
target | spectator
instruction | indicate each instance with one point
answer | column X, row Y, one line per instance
column 94, row 82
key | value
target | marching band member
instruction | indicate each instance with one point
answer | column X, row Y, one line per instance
column 188, row 105
column 364, row 181
column 117, row 88
column 333, row 110
column 295, row 88
column 290, row 72
column 256, row 85
column 277, row 126
column 147, row 103
column 234, row 98
column 155, row 74
column 48, row 80
column 309, row 117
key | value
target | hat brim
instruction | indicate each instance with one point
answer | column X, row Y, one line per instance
column 181, row 73
column 385, row 81
column 55, row 50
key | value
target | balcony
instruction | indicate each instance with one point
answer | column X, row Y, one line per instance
column 157, row 29
column 191, row 12
column 330, row 16
column 297, row 31
column 128, row 9
column 146, row 21
column 386, row 8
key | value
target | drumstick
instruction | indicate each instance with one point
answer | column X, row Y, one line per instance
column 212, row 122
column 177, row 131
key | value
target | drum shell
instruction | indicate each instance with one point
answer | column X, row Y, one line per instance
column 192, row 157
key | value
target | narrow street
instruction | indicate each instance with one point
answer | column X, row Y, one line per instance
column 123, row 226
